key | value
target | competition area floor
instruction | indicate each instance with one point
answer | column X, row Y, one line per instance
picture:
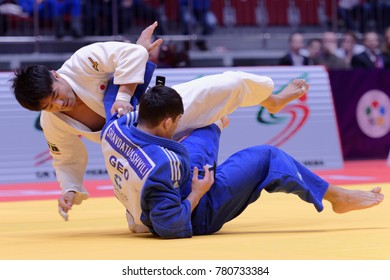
column 276, row 227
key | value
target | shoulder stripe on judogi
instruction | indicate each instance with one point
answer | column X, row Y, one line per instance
column 131, row 118
column 174, row 163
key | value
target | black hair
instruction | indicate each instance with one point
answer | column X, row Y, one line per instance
column 31, row 84
column 311, row 41
column 158, row 103
column 352, row 34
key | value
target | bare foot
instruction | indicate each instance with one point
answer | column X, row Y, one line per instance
column 276, row 102
column 295, row 89
column 225, row 121
column 344, row 200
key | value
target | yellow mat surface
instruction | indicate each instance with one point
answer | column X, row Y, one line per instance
column 276, row 227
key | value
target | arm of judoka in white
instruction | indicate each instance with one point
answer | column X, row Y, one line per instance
column 128, row 64
column 70, row 168
column 70, row 159
column 122, row 102
column 125, row 62
column 126, row 91
column 145, row 39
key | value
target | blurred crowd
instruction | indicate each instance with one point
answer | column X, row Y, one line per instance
column 364, row 15
column 79, row 18
column 365, row 41
column 372, row 50
column 108, row 17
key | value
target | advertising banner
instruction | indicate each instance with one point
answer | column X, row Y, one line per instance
column 306, row 128
column 362, row 103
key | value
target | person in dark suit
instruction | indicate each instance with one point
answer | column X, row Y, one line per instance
column 313, row 48
column 294, row 56
column 372, row 57
column 327, row 56
column 386, row 47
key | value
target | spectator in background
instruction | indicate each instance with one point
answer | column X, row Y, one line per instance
column 197, row 13
column 8, row 8
column 168, row 55
column 99, row 16
column 349, row 47
column 45, row 8
column 386, row 47
column 314, row 47
column 377, row 14
column 349, row 11
column 294, row 55
column 57, row 10
column 372, row 57
column 327, row 56
column 62, row 8
column 139, row 9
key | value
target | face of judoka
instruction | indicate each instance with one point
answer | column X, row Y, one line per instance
column 62, row 98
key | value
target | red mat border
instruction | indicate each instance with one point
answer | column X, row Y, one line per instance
column 354, row 172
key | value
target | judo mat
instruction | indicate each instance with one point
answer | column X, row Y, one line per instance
column 276, row 227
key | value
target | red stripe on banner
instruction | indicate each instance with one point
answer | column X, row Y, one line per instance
column 50, row 190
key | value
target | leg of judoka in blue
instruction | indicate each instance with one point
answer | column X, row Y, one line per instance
column 241, row 178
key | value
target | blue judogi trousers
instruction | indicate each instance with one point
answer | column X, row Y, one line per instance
column 240, row 180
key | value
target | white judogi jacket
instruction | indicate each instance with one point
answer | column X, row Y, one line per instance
column 88, row 71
